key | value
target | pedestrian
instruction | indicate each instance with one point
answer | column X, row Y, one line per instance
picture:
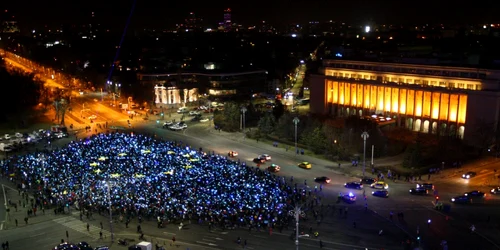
column 16, row 222
column 428, row 177
column 88, row 227
column 173, row 241
column 67, row 234
column 101, row 225
column 26, row 220
column 320, row 244
column 100, row 234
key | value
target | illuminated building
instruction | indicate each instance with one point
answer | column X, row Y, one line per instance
column 428, row 99
column 168, row 86
column 227, row 19
column 7, row 23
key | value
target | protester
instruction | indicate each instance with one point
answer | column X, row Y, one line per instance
column 153, row 179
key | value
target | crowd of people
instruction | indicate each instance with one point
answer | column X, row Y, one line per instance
column 145, row 177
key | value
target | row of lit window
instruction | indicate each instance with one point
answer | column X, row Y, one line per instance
column 435, row 105
column 464, row 74
column 416, row 81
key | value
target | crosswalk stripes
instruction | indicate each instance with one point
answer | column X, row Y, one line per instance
column 81, row 227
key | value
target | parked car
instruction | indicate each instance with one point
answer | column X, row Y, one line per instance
column 322, row 179
column 274, row 168
column 381, row 193
column 427, row 186
column 355, row 185
column 368, row 181
column 419, row 190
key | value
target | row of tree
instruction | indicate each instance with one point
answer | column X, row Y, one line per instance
column 21, row 92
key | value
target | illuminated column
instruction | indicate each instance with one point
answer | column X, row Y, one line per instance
column 190, row 93
column 157, row 94
column 185, row 95
column 164, row 96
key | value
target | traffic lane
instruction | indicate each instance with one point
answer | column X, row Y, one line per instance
column 289, row 165
column 439, row 228
column 289, row 168
column 324, row 193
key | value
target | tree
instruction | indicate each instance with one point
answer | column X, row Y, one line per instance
column 413, row 155
column 267, row 124
column 21, row 95
column 315, row 140
column 285, row 127
column 229, row 118
column 278, row 109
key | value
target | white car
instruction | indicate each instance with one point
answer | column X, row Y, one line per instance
column 92, row 117
column 19, row 135
column 175, row 127
column 7, row 137
column 265, row 157
column 194, row 113
column 204, row 119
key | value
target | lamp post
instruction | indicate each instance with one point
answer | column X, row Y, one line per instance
column 365, row 136
column 243, row 111
column 297, row 212
column 296, row 121
column 108, row 185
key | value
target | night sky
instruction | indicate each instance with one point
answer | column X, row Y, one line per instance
column 166, row 13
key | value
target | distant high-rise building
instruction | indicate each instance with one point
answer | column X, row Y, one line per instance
column 8, row 23
column 227, row 20
column 192, row 23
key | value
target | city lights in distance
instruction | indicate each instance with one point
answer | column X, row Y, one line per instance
column 367, row 29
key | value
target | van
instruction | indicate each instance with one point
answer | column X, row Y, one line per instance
column 182, row 110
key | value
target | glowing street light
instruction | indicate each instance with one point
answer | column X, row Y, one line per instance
column 297, row 212
column 365, row 136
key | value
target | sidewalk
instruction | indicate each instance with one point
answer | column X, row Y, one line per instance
column 23, row 205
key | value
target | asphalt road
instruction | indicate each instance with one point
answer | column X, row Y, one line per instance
column 417, row 210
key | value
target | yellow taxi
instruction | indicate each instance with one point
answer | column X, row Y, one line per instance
column 379, row 185
column 305, row 165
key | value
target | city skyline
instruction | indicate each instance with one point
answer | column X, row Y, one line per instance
column 164, row 15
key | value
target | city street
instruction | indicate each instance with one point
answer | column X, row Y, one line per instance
column 417, row 209
column 359, row 229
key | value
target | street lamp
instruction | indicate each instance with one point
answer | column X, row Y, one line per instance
column 108, row 185
column 296, row 212
column 296, row 121
column 243, row 111
column 365, row 136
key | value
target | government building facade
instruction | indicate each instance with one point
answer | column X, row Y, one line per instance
column 447, row 101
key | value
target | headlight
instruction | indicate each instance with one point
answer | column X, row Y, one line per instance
column 345, row 184
column 411, row 190
column 493, row 190
column 373, row 192
column 463, row 175
column 468, row 176
column 452, row 199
